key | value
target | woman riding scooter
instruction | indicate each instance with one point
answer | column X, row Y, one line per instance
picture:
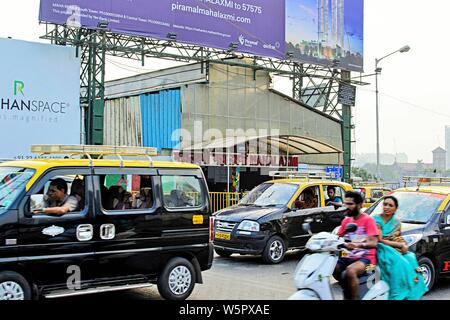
column 399, row 267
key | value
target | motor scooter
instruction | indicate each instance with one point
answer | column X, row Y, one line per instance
column 313, row 273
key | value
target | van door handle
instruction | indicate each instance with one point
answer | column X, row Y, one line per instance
column 107, row 232
column 85, row 232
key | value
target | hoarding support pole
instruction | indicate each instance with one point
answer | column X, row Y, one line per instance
column 347, row 132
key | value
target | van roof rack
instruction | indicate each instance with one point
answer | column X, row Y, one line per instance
column 100, row 151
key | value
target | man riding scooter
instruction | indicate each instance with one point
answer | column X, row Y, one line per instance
column 362, row 248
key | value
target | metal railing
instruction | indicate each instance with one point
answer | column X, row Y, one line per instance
column 222, row 200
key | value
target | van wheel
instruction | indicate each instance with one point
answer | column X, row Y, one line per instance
column 14, row 287
column 274, row 251
column 428, row 271
column 223, row 253
column 177, row 280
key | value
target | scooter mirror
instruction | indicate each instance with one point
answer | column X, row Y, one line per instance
column 307, row 228
column 351, row 227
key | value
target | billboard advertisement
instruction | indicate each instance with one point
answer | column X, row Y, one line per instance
column 39, row 97
column 248, row 26
column 326, row 32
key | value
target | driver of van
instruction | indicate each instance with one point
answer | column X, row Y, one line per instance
column 58, row 202
column 362, row 248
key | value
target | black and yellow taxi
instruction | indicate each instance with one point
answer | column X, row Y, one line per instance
column 424, row 211
column 268, row 221
column 132, row 222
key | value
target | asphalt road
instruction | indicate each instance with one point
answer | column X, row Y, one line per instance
column 247, row 278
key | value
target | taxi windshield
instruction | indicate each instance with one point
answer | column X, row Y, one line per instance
column 12, row 183
column 270, row 194
column 414, row 207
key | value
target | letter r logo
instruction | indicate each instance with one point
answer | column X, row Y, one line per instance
column 18, row 87
column 446, row 266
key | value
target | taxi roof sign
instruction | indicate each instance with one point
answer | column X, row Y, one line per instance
column 94, row 150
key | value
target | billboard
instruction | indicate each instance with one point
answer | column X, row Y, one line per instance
column 326, row 32
column 39, row 97
column 248, row 26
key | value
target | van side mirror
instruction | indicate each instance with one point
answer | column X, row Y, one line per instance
column 447, row 220
column 37, row 202
column 307, row 228
column 351, row 227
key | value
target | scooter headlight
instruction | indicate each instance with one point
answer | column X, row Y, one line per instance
column 335, row 231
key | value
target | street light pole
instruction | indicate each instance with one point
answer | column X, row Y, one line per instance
column 377, row 72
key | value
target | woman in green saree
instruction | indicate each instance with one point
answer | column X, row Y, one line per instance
column 399, row 267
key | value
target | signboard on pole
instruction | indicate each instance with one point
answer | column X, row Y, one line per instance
column 39, row 97
column 248, row 26
column 347, row 94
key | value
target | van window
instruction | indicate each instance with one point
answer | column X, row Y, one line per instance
column 126, row 192
column 12, row 182
column 61, row 191
column 182, row 191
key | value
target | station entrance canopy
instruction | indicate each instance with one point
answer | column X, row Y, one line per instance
column 271, row 151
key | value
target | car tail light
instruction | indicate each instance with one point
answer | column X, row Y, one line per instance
column 211, row 229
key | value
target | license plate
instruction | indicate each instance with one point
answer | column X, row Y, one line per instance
column 223, row 236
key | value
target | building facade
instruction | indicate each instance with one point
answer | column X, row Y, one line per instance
column 175, row 108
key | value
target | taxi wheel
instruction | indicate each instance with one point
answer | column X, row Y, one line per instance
column 428, row 271
column 14, row 287
column 274, row 251
column 177, row 280
column 223, row 253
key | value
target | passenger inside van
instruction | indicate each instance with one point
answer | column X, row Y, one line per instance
column 77, row 191
column 179, row 199
column 143, row 199
column 121, row 199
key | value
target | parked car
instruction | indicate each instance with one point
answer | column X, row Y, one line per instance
column 425, row 215
column 268, row 221
column 137, row 223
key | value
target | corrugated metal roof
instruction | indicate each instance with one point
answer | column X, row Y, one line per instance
column 157, row 80
column 122, row 122
column 161, row 118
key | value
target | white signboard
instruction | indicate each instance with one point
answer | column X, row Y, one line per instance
column 39, row 97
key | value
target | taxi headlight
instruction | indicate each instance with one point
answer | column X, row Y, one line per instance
column 249, row 226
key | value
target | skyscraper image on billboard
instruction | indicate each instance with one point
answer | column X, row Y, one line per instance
column 326, row 32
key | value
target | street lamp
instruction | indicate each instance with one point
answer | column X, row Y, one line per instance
column 377, row 72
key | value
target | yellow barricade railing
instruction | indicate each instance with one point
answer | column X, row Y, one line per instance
column 222, row 200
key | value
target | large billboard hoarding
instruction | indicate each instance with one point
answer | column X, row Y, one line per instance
column 248, row 26
column 39, row 97
column 326, row 32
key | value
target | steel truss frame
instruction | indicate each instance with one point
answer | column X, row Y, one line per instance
column 94, row 45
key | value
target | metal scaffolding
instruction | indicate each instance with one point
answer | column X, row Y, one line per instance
column 93, row 45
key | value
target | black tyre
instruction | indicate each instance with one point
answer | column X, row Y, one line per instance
column 14, row 287
column 177, row 280
column 428, row 272
column 274, row 251
column 223, row 253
